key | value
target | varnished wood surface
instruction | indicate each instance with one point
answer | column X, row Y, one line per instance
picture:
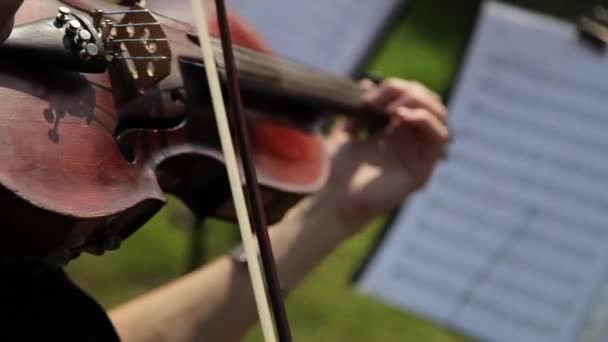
column 57, row 148
column 63, row 175
column 65, row 183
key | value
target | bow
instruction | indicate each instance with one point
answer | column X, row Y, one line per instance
column 77, row 44
column 250, row 211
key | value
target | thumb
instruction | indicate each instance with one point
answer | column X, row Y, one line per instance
column 344, row 131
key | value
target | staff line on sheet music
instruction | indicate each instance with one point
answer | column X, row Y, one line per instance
column 550, row 271
column 547, row 329
column 573, row 252
column 548, row 300
column 501, row 253
column 491, row 220
column 414, row 277
column 453, row 238
column 521, row 303
column 550, row 246
column 522, row 102
column 513, row 66
column 432, row 260
column 576, row 191
column 533, row 295
column 550, row 227
column 542, row 154
column 523, row 185
column 517, row 195
column 488, row 220
column 429, row 270
column 557, row 244
column 459, row 230
column 560, row 213
column 546, row 182
column 549, row 221
column 430, row 256
column 468, row 253
column 538, row 234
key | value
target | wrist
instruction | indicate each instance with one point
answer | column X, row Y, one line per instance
column 334, row 205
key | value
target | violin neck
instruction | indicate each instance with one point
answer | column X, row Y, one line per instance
column 271, row 79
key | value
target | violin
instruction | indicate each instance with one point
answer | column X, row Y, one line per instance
column 96, row 126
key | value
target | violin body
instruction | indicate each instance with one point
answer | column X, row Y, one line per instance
column 84, row 162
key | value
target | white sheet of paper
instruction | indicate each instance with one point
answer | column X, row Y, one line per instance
column 509, row 242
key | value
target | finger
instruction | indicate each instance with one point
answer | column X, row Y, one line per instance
column 402, row 101
column 422, row 97
column 338, row 136
column 431, row 128
column 379, row 98
column 367, row 84
column 394, row 93
column 415, row 95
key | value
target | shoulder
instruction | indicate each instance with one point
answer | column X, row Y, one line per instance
column 44, row 304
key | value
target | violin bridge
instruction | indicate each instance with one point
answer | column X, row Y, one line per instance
column 138, row 41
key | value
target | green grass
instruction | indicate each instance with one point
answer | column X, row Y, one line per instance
column 426, row 44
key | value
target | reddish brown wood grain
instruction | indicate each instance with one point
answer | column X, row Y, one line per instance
column 60, row 166
column 65, row 183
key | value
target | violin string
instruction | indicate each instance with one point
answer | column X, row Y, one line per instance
column 143, row 10
column 256, row 207
column 128, row 40
column 260, row 65
column 306, row 80
column 232, row 168
column 155, row 58
column 136, row 24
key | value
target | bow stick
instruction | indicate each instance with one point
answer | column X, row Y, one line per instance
column 256, row 208
column 257, row 219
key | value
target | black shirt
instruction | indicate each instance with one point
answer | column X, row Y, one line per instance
column 44, row 305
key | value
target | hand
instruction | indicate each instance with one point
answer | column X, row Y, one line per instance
column 374, row 175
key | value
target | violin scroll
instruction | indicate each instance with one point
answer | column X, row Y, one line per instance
column 65, row 42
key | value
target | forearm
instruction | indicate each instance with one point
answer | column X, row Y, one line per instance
column 215, row 303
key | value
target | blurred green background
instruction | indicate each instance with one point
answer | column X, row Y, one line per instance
column 427, row 43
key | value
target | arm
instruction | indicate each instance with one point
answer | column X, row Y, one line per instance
column 216, row 303
column 368, row 178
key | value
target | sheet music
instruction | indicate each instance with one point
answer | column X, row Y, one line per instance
column 509, row 242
